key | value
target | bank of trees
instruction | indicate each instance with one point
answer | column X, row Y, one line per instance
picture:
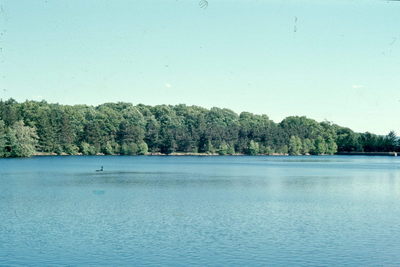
column 122, row 128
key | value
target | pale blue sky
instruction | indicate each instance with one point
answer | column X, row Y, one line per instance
column 342, row 64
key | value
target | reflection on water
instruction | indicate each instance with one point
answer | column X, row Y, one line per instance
column 200, row 211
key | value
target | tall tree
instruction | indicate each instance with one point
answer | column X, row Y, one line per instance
column 2, row 138
column 21, row 140
column 295, row 145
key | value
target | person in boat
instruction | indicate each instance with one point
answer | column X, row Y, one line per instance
column 101, row 169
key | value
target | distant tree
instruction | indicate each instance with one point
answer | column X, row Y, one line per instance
column 21, row 140
column 231, row 149
column 129, row 149
column 331, row 146
column 223, row 149
column 71, row 149
column 391, row 141
column 152, row 134
column 295, row 145
column 268, row 150
column 168, row 144
column 10, row 111
column 87, row 149
column 348, row 141
column 2, row 139
column 127, row 129
column 282, row 149
column 253, row 148
column 307, row 146
column 108, row 149
column 370, row 142
column 302, row 127
column 320, row 147
column 142, row 148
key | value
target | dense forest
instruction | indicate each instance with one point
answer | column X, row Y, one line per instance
column 122, row 128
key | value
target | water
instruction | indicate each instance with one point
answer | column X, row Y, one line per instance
column 198, row 211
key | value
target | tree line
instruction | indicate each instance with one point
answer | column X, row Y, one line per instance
column 123, row 128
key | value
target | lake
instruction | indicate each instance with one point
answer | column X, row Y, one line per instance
column 200, row 211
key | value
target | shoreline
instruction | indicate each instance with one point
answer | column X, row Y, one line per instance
column 183, row 154
column 38, row 154
column 392, row 154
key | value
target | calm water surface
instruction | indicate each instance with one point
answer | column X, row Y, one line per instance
column 214, row 211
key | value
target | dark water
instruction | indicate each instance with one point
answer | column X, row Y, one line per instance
column 214, row 211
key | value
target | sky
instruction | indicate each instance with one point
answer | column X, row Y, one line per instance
column 327, row 60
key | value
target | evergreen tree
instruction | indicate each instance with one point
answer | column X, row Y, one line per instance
column 390, row 142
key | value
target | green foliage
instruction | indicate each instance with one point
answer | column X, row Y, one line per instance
column 71, row 149
column 87, row 149
column 122, row 128
column 331, row 146
column 295, row 145
column 2, row 139
column 209, row 147
column 307, row 146
column 129, row 149
column 301, row 127
column 20, row 140
column 349, row 141
column 108, row 149
column 134, row 149
column 253, row 148
column 231, row 149
column 142, row 148
column 282, row 149
column 223, row 149
column 320, row 147
column 390, row 141
column 267, row 150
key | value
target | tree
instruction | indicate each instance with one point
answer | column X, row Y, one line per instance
column 307, row 146
column 142, row 148
column 231, row 149
column 331, row 146
column 21, row 140
column 129, row 149
column 302, row 127
column 282, row 149
column 2, row 138
column 390, row 141
column 108, row 149
column 87, row 149
column 253, row 148
column 10, row 111
column 320, row 147
column 295, row 145
column 348, row 141
column 223, row 149
column 209, row 147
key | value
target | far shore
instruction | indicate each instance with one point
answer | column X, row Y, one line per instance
column 395, row 154
column 157, row 154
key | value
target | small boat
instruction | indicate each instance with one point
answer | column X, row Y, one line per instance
column 101, row 169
